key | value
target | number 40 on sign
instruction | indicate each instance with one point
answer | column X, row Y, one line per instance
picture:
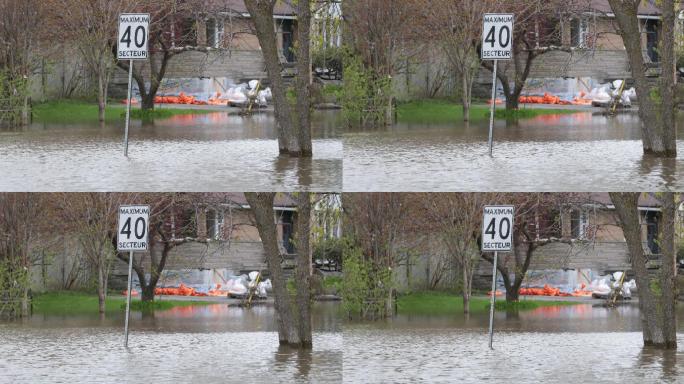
column 497, row 228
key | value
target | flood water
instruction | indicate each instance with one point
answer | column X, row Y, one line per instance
column 570, row 152
column 217, row 344
column 566, row 344
column 200, row 344
column 211, row 152
column 221, row 152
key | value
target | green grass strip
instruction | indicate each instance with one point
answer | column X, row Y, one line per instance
column 67, row 302
column 443, row 303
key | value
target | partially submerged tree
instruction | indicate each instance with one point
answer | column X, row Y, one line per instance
column 456, row 26
column 457, row 217
column 378, row 223
column 90, row 217
column 165, row 41
column 537, row 223
column 19, row 229
column 537, row 30
column 294, row 322
column 657, row 99
column 294, row 123
column 380, row 37
column 91, row 26
column 657, row 291
column 20, row 33
column 169, row 227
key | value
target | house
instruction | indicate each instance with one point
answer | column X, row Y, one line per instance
column 590, row 244
column 233, row 245
column 584, row 241
column 592, row 52
column 223, row 50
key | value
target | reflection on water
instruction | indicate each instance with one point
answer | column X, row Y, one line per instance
column 211, row 152
column 566, row 344
column 569, row 152
column 204, row 344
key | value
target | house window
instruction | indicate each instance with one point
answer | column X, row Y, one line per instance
column 578, row 224
column 214, row 221
column 287, row 27
column 652, row 40
column 652, row 232
column 287, row 222
column 579, row 32
column 215, row 33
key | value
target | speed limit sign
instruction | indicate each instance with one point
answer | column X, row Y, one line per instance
column 497, row 36
column 497, row 228
column 133, row 228
column 134, row 31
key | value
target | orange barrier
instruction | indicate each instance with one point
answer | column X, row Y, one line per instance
column 133, row 292
column 546, row 99
column 133, row 101
column 182, row 290
column 548, row 290
column 182, row 98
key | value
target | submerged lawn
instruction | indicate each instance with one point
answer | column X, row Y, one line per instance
column 442, row 303
column 446, row 111
column 65, row 303
column 74, row 111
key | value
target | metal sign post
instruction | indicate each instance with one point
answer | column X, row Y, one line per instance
column 491, row 111
column 133, row 227
column 128, row 296
column 132, row 45
column 497, row 43
column 128, row 106
column 492, row 301
column 497, row 235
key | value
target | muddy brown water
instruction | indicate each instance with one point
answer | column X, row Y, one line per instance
column 199, row 344
column 221, row 344
column 210, row 152
column 219, row 152
column 569, row 152
column 565, row 344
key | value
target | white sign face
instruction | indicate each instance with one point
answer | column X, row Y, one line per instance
column 133, row 227
column 497, row 228
column 497, row 36
column 134, row 31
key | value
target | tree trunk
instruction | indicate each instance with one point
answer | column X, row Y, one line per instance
column 465, row 97
column 261, row 13
column 466, row 291
column 25, row 304
column 668, row 270
column 147, row 102
column 147, row 294
column 512, row 294
column 101, row 294
column 261, row 205
column 656, row 294
column 303, row 282
column 656, row 101
column 101, row 97
column 513, row 100
column 304, row 76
